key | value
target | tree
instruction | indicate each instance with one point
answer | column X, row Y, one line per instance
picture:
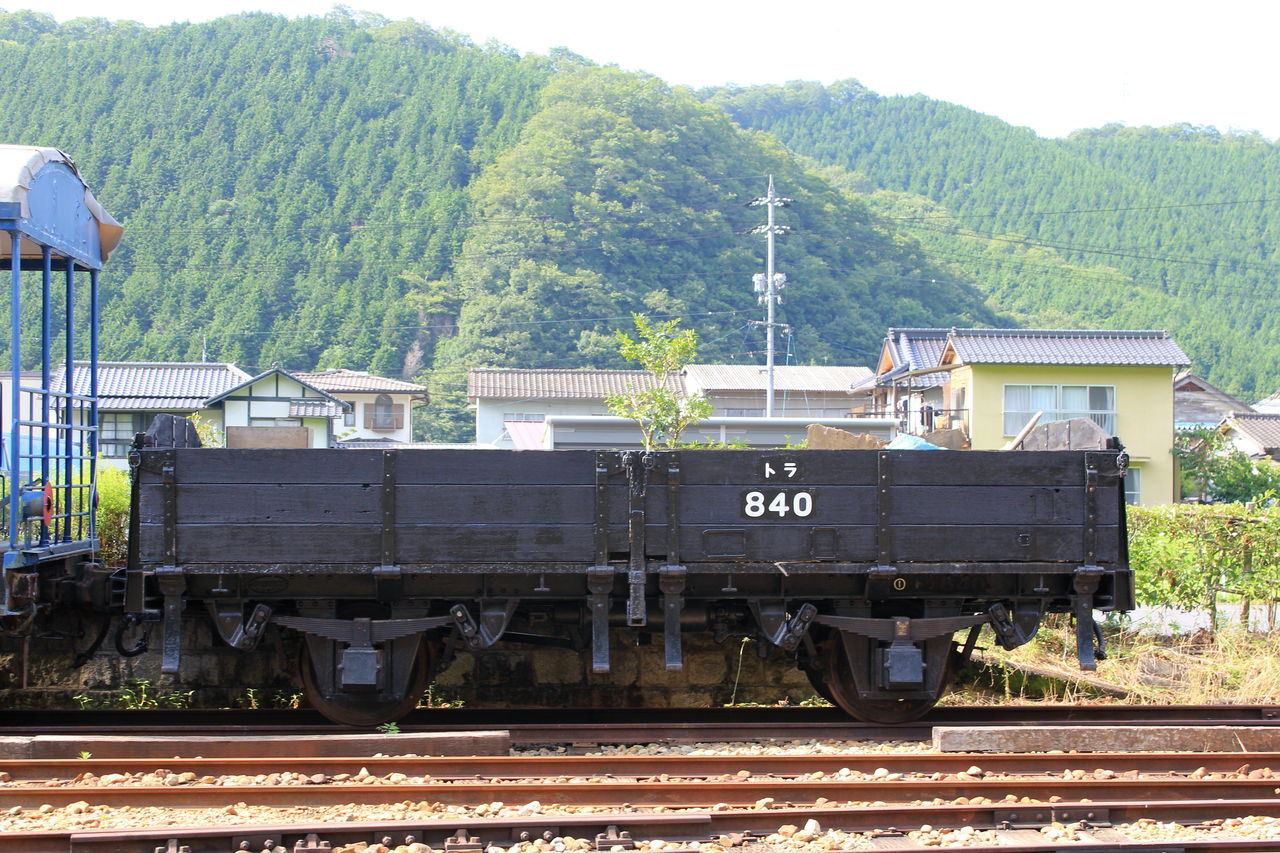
column 662, row 350
column 1212, row 470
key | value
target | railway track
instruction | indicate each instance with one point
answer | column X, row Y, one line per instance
column 902, row 796
column 598, row 726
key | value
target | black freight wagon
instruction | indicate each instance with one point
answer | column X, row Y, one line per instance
column 860, row 565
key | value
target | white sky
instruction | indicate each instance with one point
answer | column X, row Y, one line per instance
column 1052, row 66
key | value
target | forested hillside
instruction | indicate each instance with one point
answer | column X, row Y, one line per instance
column 1115, row 227
column 349, row 191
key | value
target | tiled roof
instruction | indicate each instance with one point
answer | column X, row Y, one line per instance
column 275, row 371
column 918, row 348
column 153, row 385
column 1264, row 429
column 754, row 377
column 336, row 381
column 915, row 349
column 1269, row 405
column 560, row 383
column 1065, row 346
column 1195, row 401
column 315, row 409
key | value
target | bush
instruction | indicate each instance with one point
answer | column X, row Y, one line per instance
column 1187, row 555
column 113, row 515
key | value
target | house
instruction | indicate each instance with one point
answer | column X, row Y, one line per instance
column 738, row 390
column 512, row 403
column 1255, row 434
column 380, row 409
column 544, row 408
column 909, row 386
column 991, row 382
column 1268, row 406
column 132, row 393
column 1199, row 405
column 1122, row 380
column 277, row 409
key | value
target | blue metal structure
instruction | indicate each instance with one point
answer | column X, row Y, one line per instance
column 51, row 229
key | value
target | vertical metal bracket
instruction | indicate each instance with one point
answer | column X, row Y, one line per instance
column 599, row 585
column 1084, row 586
column 671, row 582
column 1090, row 510
column 601, row 521
column 173, row 584
column 884, row 526
column 637, row 465
column 673, row 509
column 168, row 480
column 388, row 508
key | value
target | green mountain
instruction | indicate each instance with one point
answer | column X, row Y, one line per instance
column 351, row 191
column 1115, row 227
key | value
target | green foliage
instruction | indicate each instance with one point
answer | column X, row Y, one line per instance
column 1186, row 555
column 662, row 413
column 113, row 515
column 661, row 349
column 1115, row 227
column 138, row 695
column 210, row 435
column 1212, row 470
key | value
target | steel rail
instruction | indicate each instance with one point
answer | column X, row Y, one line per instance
column 447, row 768
column 542, row 719
column 890, row 822
column 1009, row 791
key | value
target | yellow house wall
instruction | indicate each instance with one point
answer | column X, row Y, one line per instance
column 1144, row 411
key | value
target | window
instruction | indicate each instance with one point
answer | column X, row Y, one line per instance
column 1059, row 403
column 383, row 415
column 533, row 417
column 115, row 433
column 1133, row 487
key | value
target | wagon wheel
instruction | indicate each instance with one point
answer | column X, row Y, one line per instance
column 355, row 710
column 839, row 683
column 818, row 681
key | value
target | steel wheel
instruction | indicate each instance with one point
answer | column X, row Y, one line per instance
column 839, row 682
column 355, row 710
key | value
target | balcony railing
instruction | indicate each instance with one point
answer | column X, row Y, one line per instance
column 384, row 419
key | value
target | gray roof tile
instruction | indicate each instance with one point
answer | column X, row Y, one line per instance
column 153, row 385
column 1066, row 346
column 1264, row 429
column 536, row 384
column 337, row 381
column 837, row 379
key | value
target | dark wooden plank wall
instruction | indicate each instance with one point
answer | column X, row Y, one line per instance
column 302, row 506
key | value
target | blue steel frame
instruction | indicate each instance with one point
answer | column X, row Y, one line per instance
column 51, row 432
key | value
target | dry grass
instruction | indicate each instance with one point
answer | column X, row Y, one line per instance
column 1232, row 667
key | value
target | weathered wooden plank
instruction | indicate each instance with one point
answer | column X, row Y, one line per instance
column 1004, row 543
column 781, row 468
column 987, row 468
column 330, row 503
column 981, row 504
column 300, row 544
column 496, row 467
column 222, row 465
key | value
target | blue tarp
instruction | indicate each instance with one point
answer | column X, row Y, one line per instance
column 906, row 441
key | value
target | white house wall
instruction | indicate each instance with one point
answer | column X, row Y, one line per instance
column 489, row 423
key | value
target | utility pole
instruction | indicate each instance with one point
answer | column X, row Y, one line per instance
column 769, row 284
